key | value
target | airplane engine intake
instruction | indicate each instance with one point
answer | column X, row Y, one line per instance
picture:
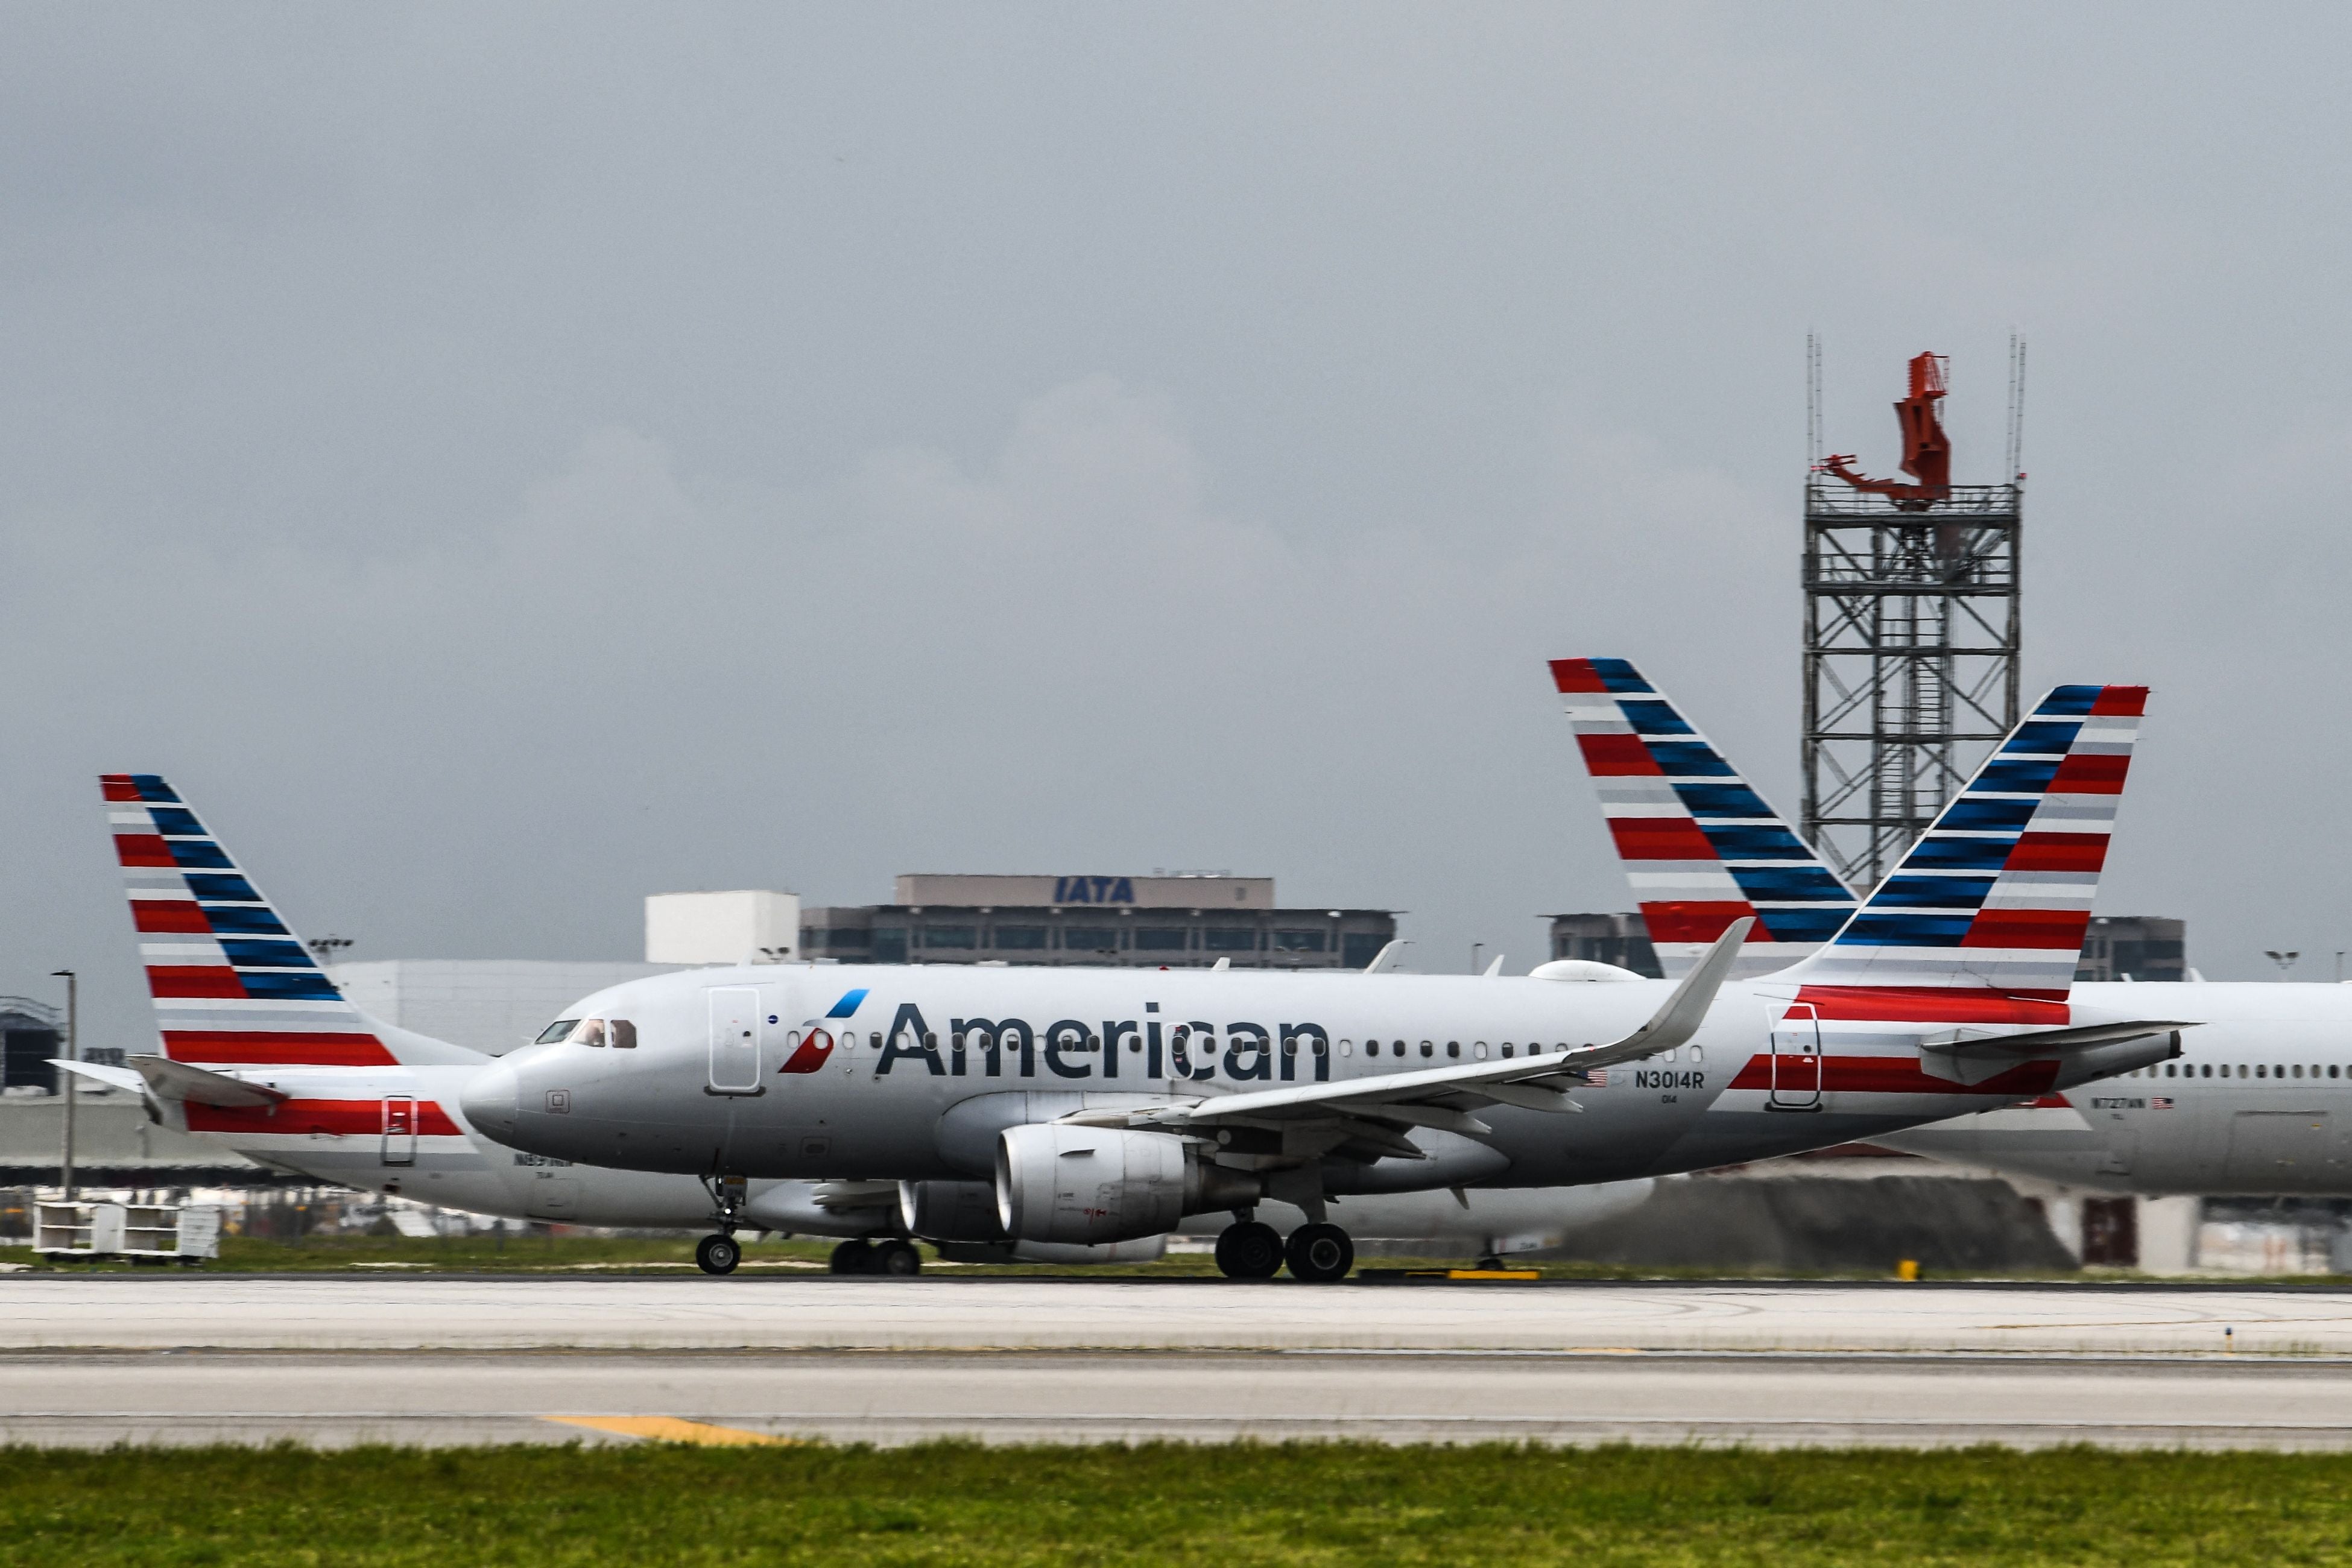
column 1090, row 1184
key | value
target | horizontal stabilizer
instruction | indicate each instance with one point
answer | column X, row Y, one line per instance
column 2039, row 1042
column 111, row 1076
column 178, row 1080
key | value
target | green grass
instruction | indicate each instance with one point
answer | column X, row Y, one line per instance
column 1343, row 1505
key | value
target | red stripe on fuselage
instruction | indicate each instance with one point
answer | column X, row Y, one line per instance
column 341, row 1118
column 1932, row 1005
column 268, row 1047
column 1892, row 1075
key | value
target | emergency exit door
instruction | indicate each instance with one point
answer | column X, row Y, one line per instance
column 399, row 1129
column 734, row 1039
column 1797, row 1061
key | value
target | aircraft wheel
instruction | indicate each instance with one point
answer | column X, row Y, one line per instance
column 1319, row 1253
column 718, row 1254
column 851, row 1258
column 896, row 1259
column 1489, row 1263
column 1250, row 1250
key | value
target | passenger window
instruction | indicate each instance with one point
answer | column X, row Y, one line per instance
column 2298, row 1070
column 1346, row 1048
column 591, row 1032
column 2171, row 1070
column 559, row 1030
column 1479, row 1050
column 1453, row 1047
column 2331, row 1069
column 2241, row 1070
column 1507, row 1050
column 1696, row 1054
column 1428, row 1049
column 1322, row 1046
column 625, row 1034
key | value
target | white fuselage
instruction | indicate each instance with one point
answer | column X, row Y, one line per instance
column 912, row 1073
column 2259, row 1102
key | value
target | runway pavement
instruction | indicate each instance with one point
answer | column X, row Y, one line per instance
column 337, row 1359
column 435, row 1398
column 341, row 1311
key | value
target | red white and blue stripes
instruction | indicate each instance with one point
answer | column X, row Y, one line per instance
column 232, row 985
column 1989, row 908
column 1700, row 847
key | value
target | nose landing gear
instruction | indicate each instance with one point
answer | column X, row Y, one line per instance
column 718, row 1254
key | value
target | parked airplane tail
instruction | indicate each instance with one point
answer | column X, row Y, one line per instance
column 233, row 984
column 1700, row 846
column 1983, row 920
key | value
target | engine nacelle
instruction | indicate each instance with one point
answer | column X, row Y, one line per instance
column 950, row 1211
column 1057, row 1182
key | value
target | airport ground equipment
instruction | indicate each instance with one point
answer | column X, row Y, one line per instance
column 188, row 1234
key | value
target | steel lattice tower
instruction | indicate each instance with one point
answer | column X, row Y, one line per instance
column 1911, row 636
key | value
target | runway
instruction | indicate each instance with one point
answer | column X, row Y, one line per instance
column 332, row 1359
column 433, row 1398
column 162, row 1310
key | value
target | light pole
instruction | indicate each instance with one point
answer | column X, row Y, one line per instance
column 73, row 1079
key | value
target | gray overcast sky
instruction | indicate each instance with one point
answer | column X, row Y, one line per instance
column 501, row 461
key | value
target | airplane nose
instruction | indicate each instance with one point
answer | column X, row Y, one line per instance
column 488, row 1099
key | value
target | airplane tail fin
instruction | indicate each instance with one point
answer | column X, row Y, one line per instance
column 1699, row 845
column 234, row 986
column 1984, row 919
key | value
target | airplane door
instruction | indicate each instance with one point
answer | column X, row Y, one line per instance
column 1797, row 1060
column 734, row 1039
column 399, row 1129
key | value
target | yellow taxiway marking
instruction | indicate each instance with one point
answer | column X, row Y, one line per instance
column 665, row 1429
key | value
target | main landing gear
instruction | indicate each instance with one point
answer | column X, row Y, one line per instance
column 895, row 1257
column 1252, row 1249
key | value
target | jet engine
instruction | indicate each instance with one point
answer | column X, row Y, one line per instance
column 1057, row 1182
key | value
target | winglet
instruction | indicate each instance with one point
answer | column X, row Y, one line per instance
column 1687, row 1009
column 1388, row 958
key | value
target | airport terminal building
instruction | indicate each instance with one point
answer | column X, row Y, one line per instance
column 1133, row 922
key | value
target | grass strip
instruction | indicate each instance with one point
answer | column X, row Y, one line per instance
column 1339, row 1504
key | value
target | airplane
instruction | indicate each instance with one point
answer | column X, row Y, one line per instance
column 2245, row 1110
column 262, row 1052
column 1155, row 1095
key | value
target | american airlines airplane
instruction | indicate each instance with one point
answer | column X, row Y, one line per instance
column 263, row 1053
column 2259, row 1100
column 1152, row 1096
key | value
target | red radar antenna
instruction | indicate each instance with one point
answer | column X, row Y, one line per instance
column 1927, row 450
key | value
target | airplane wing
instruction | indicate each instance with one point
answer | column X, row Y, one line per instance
column 1442, row 1096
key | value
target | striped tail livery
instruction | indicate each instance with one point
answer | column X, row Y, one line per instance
column 1700, row 846
column 234, row 987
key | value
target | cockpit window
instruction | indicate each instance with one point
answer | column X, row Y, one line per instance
column 591, row 1032
column 559, row 1029
column 625, row 1034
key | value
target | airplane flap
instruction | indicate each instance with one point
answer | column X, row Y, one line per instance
column 178, row 1080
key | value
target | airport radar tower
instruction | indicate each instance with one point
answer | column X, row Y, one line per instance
column 1911, row 628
